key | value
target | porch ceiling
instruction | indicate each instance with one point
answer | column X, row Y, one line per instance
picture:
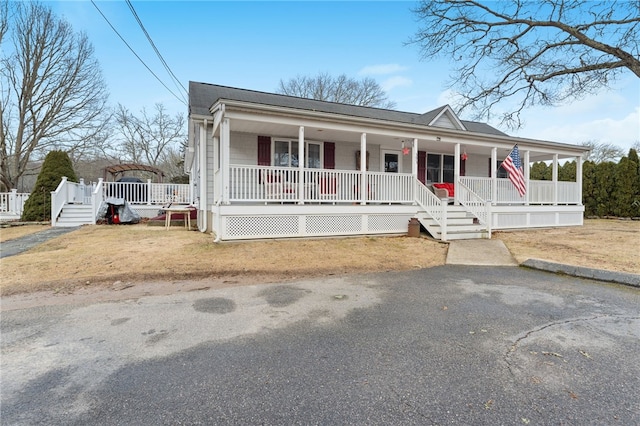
column 444, row 146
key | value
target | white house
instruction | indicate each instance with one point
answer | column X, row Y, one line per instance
column 264, row 165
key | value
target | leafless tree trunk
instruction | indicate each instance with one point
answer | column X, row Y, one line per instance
column 523, row 53
column 53, row 94
column 149, row 139
column 341, row 89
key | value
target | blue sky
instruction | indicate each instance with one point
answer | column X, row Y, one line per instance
column 253, row 45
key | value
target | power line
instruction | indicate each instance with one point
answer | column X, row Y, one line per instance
column 136, row 55
column 166, row 66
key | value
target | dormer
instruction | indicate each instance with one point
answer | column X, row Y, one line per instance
column 445, row 117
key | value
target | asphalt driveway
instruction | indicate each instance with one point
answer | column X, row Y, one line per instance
column 447, row 345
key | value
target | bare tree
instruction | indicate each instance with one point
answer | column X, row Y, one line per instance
column 523, row 53
column 341, row 89
column 173, row 165
column 4, row 19
column 149, row 139
column 601, row 152
column 53, row 94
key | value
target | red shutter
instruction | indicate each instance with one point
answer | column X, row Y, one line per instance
column 264, row 151
column 463, row 167
column 422, row 166
column 329, row 155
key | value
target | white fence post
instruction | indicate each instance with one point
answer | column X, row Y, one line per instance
column 489, row 217
column 58, row 199
column 443, row 221
column 12, row 204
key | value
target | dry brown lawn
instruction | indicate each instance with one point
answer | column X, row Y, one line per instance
column 95, row 256
column 609, row 244
column 98, row 255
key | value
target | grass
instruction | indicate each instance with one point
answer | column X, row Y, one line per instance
column 100, row 254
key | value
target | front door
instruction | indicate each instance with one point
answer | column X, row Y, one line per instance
column 391, row 161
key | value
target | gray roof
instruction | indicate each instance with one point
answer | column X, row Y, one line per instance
column 203, row 95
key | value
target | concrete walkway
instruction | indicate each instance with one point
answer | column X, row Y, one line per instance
column 494, row 253
column 480, row 252
column 22, row 244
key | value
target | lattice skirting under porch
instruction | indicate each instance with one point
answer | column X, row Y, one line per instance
column 312, row 225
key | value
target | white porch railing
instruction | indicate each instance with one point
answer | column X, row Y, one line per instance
column 12, row 203
column 538, row 191
column 283, row 184
column 69, row 193
column 140, row 194
column 475, row 205
column 136, row 193
column 432, row 204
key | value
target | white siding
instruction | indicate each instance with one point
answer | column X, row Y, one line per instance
column 244, row 149
column 406, row 162
column 346, row 156
column 444, row 121
column 477, row 165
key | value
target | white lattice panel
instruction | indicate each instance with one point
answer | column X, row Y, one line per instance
column 261, row 226
column 387, row 223
column 329, row 224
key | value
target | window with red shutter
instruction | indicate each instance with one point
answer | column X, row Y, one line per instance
column 329, row 155
column 422, row 166
column 264, row 151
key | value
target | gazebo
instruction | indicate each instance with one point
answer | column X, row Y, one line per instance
column 116, row 171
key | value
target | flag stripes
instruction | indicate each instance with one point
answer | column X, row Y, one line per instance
column 513, row 166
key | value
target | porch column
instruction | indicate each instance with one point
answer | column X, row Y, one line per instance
column 555, row 179
column 363, row 168
column 217, row 187
column 301, row 165
column 414, row 158
column 579, row 179
column 225, row 157
column 494, row 175
column 414, row 167
column 527, row 175
column 456, row 173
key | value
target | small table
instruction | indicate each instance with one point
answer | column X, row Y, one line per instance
column 184, row 211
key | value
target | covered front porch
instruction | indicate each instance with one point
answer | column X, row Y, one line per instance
column 270, row 166
column 278, row 202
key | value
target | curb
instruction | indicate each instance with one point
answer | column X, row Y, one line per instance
column 583, row 272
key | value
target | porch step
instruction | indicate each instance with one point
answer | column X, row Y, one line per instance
column 460, row 225
column 75, row 215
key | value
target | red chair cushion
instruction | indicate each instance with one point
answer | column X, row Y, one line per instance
column 448, row 186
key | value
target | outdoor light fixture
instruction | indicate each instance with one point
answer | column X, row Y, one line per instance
column 405, row 150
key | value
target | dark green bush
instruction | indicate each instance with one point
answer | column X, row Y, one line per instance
column 56, row 165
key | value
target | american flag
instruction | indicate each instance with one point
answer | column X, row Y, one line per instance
column 513, row 165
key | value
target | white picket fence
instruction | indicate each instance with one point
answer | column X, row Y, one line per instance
column 145, row 195
column 12, row 204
